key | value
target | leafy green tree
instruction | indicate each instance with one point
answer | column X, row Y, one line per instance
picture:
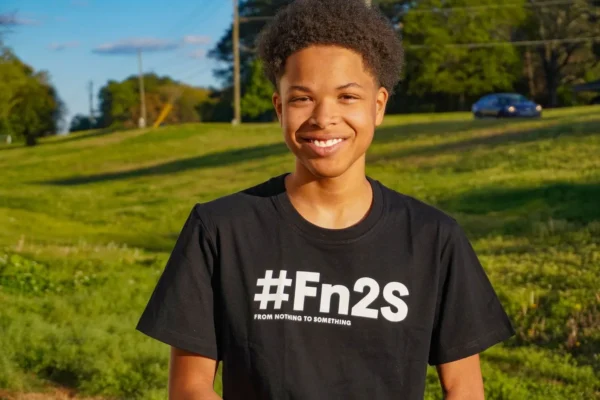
column 249, row 30
column 564, row 58
column 81, row 122
column 117, row 100
column 29, row 104
column 120, row 101
column 256, row 102
column 441, row 66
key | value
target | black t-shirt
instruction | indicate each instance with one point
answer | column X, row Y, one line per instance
column 296, row 311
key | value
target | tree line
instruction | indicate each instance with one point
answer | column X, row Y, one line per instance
column 455, row 52
column 119, row 103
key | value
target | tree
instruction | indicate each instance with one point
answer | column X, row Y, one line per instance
column 117, row 100
column 249, row 30
column 29, row 104
column 120, row 103
column 81, row 122
column 256, row 102
column 441, row 66
column 567, row 59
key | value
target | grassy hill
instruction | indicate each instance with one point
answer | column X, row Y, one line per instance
column 88, row 222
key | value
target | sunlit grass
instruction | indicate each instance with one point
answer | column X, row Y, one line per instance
column 89, row 220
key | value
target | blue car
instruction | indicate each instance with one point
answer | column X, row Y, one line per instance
column 502, row 105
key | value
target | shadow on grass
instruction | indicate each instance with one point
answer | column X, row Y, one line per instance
column 79, row 136
column 515, row 211
column 522, row 136
column 218, row 159
column 573, row 202
column 403, row 131
column 69, row 138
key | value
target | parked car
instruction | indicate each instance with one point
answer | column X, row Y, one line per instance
column 501, row 105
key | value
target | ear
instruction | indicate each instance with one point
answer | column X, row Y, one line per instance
column 278, row 105
column 381, row 102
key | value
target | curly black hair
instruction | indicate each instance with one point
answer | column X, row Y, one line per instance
column 346, row 23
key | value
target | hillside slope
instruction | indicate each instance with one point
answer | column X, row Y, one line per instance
column 88, row 221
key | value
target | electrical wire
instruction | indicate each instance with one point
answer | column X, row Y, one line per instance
column 515, row 43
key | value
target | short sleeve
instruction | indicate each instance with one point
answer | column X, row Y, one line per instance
column 469, row 316
column 181, row 311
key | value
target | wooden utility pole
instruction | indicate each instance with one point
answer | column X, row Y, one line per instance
column 236, row 65
column 530, row 72
column 92, row 118
column 142, row 121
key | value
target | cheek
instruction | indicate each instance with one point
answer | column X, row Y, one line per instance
column 362, row 119
column 293, row 118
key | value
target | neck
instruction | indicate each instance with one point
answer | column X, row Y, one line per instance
column 334, row 203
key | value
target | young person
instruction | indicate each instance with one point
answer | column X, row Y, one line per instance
column 323, row 283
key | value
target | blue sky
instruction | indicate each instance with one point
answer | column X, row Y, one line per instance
column 81, row 40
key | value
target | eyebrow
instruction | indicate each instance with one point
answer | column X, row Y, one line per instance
column 349, row 85
column 300, row 88
column 307, row 90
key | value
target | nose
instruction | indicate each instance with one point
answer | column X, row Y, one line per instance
column 324, row 114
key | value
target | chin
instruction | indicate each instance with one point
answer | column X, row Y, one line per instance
column 325, row 168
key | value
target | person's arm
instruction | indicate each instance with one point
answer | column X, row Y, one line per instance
column 191, row 376
column 469, row 318
column 183, row 312
column 461, row 380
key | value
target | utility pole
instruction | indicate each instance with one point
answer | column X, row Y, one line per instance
column 142, row 121
column 236, row 65
column 92, row 118
column 530, row 73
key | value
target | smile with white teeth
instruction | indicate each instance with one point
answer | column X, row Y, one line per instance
column 326, row 143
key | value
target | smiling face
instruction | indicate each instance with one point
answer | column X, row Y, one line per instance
column 328, row 105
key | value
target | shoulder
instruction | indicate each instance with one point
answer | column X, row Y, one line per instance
column 420, row 215
column 240, row 206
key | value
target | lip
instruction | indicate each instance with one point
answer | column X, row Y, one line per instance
column 322, row 151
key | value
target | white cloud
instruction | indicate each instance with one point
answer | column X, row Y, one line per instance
column 196, row 39
column 63, row 46
column 132, row 45
column 197, row 54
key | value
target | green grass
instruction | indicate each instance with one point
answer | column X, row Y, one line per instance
column 88, row 222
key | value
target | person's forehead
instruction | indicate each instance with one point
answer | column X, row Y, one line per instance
column 333, row 64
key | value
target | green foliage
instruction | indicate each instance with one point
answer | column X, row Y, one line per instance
column 120, row 101
column 256, row 102
column 82, row 123
column 461, row 70
column 562, row 64
column 81, row 249
column 29, row 105
column 449, row 78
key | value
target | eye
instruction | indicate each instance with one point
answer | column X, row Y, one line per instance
column 349, row 97
column 301, row 99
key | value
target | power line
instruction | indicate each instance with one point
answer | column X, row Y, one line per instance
column 515, row 43
column 185, row 21
column 447, row 9
column 208, row 13
column 485, row 7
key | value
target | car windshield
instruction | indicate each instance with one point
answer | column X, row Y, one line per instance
column 512, row 98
